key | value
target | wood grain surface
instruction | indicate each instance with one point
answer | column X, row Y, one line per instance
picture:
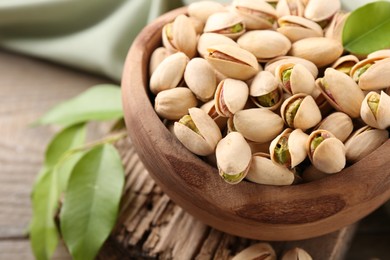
column 247, row 209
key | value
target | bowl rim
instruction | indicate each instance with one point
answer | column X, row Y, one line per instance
column 249, row 210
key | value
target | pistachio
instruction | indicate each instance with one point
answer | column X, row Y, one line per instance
column 363, row 142
column 326, row 152
column 207, row 40
column 290, row 7
column 297, row 28
column 156, row 58
column 203, row 9
column 233, row 61
column 209, row 108
column 231, row 96
column 295, row 78
column 269, row 44
column 300, row 111
column 200, row 78
column 274, row 63
column 225, row 23
column 375, row 110
column 198, row 132
column 233, row 158
column 339, row 124
column 260, row 251
column 169, row 73
column 296, row 254
column 336, row 26
column 174, row 103
column 345, row 63
column 256, row 14
column 322, row 11
column 370, row 73
column 265, row 91
column 381, row 54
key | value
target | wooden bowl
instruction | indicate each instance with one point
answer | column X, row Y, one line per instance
column 247, row 209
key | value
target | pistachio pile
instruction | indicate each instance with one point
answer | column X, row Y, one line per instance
column 264, row 90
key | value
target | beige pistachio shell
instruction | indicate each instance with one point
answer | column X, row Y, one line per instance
column 300, row 80
column 376, row 77
column 263, row 251
column 258, row 124
column 363, row 142
column 221, row 22
column 207, row 40
column 379, row 54
column 156, row 58
column 231, row 96
column 321, row 51
column 290, row 7
column 233, row 157
column 168, row 73
column 180, row 36
column 233, row 61
column 311, row 173
column 174, row 103
column 296, row 28
column 292, row 142
column 362, row 66
column 304, row 115
column 264, row 171
column 345, row 63
column 348, row 98
column 202, row 142
column 339, row 124
column 336, row 26
column 209, row 108
column 274, row 63
column 320, row 10
column 265, row 91
column 375, row 110
column 256, row 14
column 203, row 9
column 200, row 78
column 296, row 254
column 198, row 25
column 269, row 44
column 329, row 155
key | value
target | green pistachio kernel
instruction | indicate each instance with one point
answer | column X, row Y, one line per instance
column 286, row 75
column 373, row 103
column 270, row 99
column 282, row 153
column 316, row 142
column 232, row 178
column 292, row 111
column 187, row 121
column 360, row 71
column 237, row 28
column 346, row 67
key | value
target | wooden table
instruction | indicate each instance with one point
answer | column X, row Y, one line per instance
column 150, row 225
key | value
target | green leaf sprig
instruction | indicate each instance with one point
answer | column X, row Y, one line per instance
column 367, row 29
column 89, row 176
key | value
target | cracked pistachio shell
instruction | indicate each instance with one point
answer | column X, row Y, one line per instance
column 180, row 36
column 269, row 44
column 345, row 63
column 274, row 63
column 258, row 124
column 233, row 61
column 290, row 7
column 339, row 124
column 168, row 73
column 375, row 110
column 336, row 26
column 224, row 23
column 256, row 14
column 205, row 140
column 174, row 103
column 300, row 80
column 376, row 77
column 203, row 9
column 207, row 40
column 329, row 155
column 300, row 111
column 319, row 50
column 320, row 10
column 209, row 108
column 296, row 28
column 265, row 84
column 296, row 254
column 379, row 54
column 363, row 142
column 348, row 98
column 156, row 58
column 233, row 157
column 295, row 143
column 231, row 96
column 263, row 251
column 264, row 171
column 200, row 78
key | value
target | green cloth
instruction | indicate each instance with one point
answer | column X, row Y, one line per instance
column 90, row 35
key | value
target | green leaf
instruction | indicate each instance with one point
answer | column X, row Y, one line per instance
column 92, row 201
column 367, row 29
column 102, row 102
